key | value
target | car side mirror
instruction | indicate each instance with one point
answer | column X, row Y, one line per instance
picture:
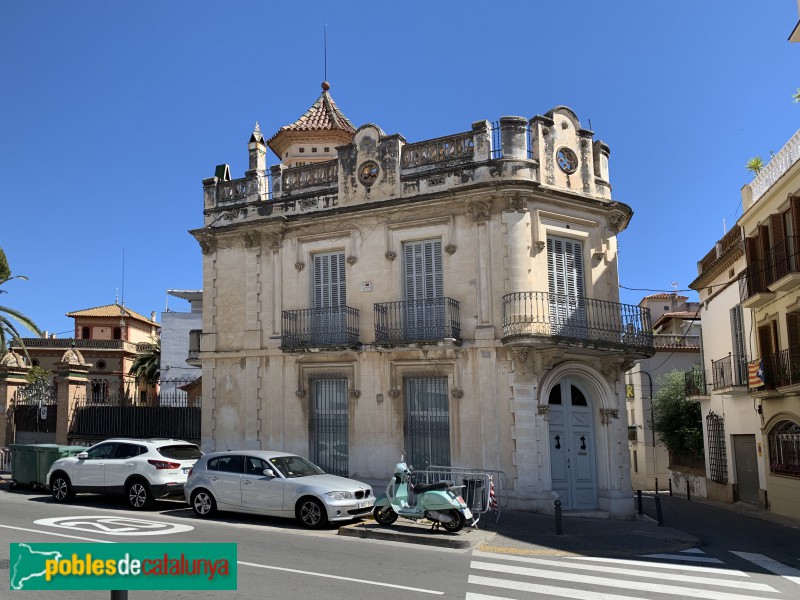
column 82, row 455
column 269, row 472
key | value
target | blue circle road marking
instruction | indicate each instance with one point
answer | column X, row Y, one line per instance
column 123, row 526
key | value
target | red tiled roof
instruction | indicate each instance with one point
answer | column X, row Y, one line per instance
column 323, row 115
column 663, row 296
column 110, row 310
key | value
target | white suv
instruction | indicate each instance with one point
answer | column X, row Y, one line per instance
column 142, row 470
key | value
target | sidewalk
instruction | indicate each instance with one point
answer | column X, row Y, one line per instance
column 535, row 534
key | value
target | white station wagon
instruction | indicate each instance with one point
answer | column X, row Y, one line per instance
column 276, row 484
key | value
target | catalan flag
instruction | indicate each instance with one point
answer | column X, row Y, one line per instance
column 755, row 373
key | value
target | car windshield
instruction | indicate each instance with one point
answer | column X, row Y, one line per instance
column 295, row 466
column 181, row 452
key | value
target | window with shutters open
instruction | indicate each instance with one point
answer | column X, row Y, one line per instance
column 565, row 287
column 739, row 365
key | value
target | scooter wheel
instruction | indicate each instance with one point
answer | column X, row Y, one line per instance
column 457, row 524
column 384, row 515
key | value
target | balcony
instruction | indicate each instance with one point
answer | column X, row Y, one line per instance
column 421, row 321
column 331, row 327
column 779, row 272
column 728, row 372
column 540, row 318
column 694, row 384
column 672, row 341
column 633, row 433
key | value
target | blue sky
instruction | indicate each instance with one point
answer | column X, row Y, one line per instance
column 114, row 112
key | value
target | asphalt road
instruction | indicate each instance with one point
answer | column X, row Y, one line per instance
column 277, row 558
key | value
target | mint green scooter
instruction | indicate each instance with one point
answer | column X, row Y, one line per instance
column 437, row 502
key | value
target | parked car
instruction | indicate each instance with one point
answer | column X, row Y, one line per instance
column 141, row 470
column 276, row 484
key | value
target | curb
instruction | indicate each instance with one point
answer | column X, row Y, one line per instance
column 467, row 538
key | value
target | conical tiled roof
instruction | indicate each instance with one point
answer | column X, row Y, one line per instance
column 323, row 116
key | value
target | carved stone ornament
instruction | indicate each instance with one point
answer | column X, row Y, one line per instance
column 252, row 240
column 520, row 354
column 451, row 249
column 540, row 245
column 394, row 393
column 275, row 241
column 300, row 393
column 390, row 256
column 615, row 222
column 517, row 202
column 458, row 394
column 544, row 410
column 598, row 255
column 208, row 243
column 355, row 394
column 479, row 211
column 351, row 260
column 606, row 414
column 299, row 265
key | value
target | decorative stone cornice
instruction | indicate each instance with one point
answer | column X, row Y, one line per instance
column 207, row 241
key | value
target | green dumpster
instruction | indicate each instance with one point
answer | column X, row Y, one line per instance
column 47, row 454
column 23, row 464
column 31, row 462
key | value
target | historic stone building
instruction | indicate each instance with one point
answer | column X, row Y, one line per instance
column 453, row 300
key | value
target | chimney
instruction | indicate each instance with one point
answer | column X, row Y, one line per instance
column 153, row 315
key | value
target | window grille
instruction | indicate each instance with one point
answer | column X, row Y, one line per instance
column 328, row 425
column 717, row 458
column 427, row 421
column 784, row 449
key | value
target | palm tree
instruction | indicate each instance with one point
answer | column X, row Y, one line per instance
column 796, row 96
column 147, row 366
column 9, row 317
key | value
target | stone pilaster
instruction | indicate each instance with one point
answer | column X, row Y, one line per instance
column 13, row 372
column 71, row 380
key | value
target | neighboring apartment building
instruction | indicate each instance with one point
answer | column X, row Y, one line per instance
column 749, row 285
column 180, row 344
column 676, row 339
column 109, row 338
column 454, row 301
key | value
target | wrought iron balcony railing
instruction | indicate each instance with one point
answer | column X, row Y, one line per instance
column 728, row 372
column 329, row 327
column 417, row 321
column 694, row 383
column 783, row 260
column 786, row 366
column 576, row 319
column 633, row 433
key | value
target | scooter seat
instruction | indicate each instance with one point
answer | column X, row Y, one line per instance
column 421, row 488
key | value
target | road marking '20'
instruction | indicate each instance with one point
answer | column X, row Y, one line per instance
column 124, row 526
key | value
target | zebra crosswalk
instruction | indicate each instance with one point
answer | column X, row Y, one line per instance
column 681, row 575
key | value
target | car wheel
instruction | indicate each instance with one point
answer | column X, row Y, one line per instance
column 203, row 503
column 384, row 515
column 457, row 524
column 139, row 495
column 311, row 513
column 61, row 488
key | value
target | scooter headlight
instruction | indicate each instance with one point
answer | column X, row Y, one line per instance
column 339, row 495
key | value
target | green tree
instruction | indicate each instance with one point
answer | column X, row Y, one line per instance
column 9, row 317
column 677, row 422
column 147, row 366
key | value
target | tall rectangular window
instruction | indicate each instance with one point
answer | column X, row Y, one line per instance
column 328, row 425
column 423, row 289
column 427, row 421
column 329, row 318
column 739, row 365
column 565, row 287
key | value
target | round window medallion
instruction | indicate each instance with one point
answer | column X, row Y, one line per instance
column 567, row 160
column 101, row 364
column 368, row 173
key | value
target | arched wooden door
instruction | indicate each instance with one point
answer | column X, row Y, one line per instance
column 573, row 462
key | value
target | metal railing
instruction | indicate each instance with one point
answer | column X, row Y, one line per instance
column 328, row 327
column 694, row 383
column 497, row 140
column 421, row 320
column 633, row 433
column 484, row 490
column 783, row 259
column 728, row 372
column 578, row 319
column 100, row 421
column 786, row 365
column 5, row 460
column 673, row 341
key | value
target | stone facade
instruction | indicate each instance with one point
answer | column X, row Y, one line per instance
column 415, row 297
